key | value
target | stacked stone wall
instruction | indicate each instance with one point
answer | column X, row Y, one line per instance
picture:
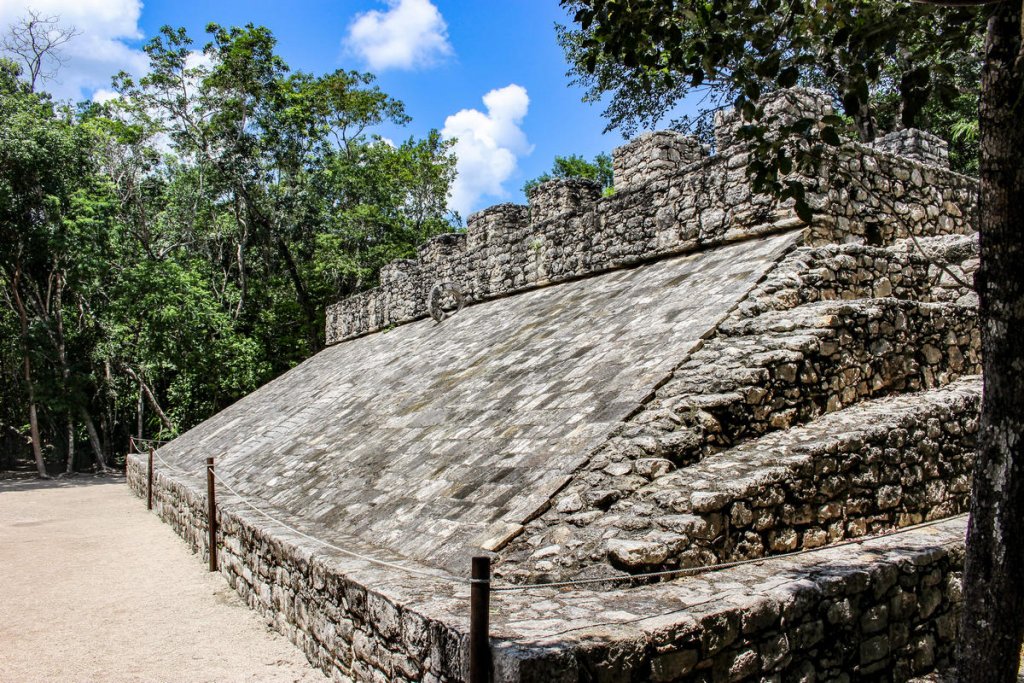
column 886, row 609
column 864, row 195
column 860, row 621
column 915, row 144
column 631, row 509
column 877, row 467
column 932, row 270
column 670, row 198
column 343, row 626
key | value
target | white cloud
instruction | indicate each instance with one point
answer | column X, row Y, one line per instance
column 103, row 95
column 95, row 55
column 488, row 146
column 410, row 34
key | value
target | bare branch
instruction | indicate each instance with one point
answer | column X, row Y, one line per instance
column 36, row 40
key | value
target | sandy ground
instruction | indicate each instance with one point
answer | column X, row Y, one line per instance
column 95, row 588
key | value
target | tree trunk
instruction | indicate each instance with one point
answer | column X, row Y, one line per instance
column 144, row 389
column 94, row 439
column 71, row 443
column 864, row 119
column 33, row 415
column 65, row 372
column 139, row 407
column 33, row 421
column 993, row 602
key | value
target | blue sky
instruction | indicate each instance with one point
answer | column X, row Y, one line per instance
column 439, row 57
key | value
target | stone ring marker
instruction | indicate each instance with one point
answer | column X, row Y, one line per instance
column 434, row 300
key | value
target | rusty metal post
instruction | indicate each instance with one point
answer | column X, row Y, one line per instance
column 211, row 513
column 149, row 482
column 479, row 622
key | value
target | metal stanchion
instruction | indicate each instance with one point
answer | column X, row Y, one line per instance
column 211, row 513
column 149, row 482
column 479, row 622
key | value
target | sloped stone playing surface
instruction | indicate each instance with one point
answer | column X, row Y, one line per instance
column 432, row 440
column 581, row 414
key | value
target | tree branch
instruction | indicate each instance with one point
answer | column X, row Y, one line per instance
column 958, row 3
column 151, row 398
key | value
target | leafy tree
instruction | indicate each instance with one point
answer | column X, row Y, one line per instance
column 575, row 166
column 953, row 116
column 750, row 49
column 167, row 252
column 730, row 52
column 286, row 168
column 44, row 158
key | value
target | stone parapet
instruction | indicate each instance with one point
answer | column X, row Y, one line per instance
column 670, row 198
column 563, row 197
column 779, row 109
column 915, row 144
column 654, row 156
column 870, row 197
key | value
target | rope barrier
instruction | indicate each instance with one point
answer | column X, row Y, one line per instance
column 345, row 551
column 168, row 465
column 135, row 442
column 693, row 571
column 509, row 588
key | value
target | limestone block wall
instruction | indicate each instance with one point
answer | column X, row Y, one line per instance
column 880, row 466
column 653, row 156
column 885, row 611
column 888, row 607
column 350, row 623
column 855, row 271
column 670, row 197
column 873, row 197
column 915, row 144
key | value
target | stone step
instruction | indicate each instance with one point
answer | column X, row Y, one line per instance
column 785, row 368
column 764, row 374
column 873, row 467
column 904, row 270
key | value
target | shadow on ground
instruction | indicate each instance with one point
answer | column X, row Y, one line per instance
column 27, row 482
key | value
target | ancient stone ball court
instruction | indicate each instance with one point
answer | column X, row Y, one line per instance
column 696, row 438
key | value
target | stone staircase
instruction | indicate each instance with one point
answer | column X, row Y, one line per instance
column 734, row 455
column 873, row 467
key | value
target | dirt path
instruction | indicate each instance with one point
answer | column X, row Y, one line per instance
column 95, row 588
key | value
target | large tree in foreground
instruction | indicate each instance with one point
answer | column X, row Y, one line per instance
column 751, row 48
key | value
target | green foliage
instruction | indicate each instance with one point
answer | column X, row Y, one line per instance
column 886, row 64
column 575, row 166
column 189, row 234
column 858, row 50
